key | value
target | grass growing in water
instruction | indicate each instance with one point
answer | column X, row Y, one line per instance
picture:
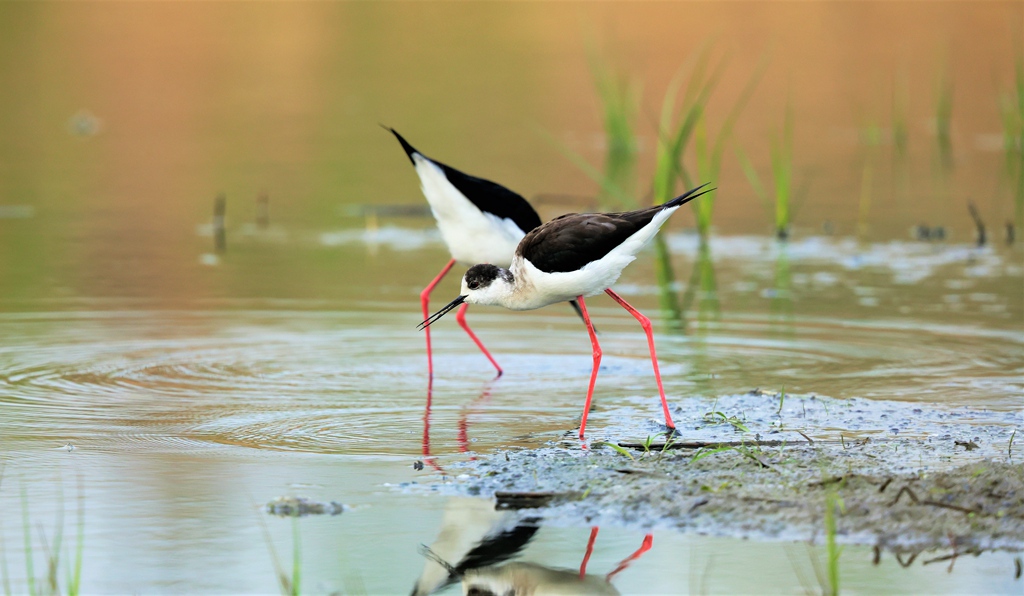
column 781, row 152
column 620, row 100
column 52, row 549
column 900, row 110
column 290, row 584
column 1011, row 109
column 944, row 117
column 707, row 151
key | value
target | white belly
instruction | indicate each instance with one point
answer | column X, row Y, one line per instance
column 549, row 288
column 472, row 236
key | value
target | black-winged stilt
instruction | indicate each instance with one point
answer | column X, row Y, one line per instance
column 480, row 221
column 575, row 255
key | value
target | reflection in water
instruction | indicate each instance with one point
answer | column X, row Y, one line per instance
column 463, row 434
column 476, row 539
column 473, row 535
column 701, row 299
column 782, row 291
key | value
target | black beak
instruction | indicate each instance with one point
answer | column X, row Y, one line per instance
column 434, row 317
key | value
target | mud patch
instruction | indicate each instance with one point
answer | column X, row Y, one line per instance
column 905, row 477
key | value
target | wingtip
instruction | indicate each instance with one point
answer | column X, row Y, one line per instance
column 409, row 149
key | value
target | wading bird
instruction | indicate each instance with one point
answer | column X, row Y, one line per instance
column 480, row 221
column 575, row 255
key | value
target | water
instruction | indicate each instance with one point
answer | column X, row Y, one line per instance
column 171, row 390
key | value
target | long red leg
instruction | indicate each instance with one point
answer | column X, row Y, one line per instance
column 597, row 363
column 646, row 546
column 460, row 316
column 646, row 324
column 590, row 551
column 425, row 303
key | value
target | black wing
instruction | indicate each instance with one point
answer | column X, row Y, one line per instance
column 489, row 197
column 569, row 242
column 498, row 548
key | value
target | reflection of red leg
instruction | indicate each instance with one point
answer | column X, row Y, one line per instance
column 425, row 303
column 460, row 316
column 646, row 324
column 464, row 419
column 590, row 550
column 426, row 427
column 646, row 546
column 597, row 363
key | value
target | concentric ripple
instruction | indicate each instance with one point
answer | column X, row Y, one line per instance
column 355, row 383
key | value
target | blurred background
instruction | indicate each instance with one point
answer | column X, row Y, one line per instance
column 211, row 255
column 123, row 122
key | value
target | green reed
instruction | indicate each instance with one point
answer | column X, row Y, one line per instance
column 900, row 114
column 51, row 549
column 1011, row 110
column 944, row 117
column 833, row 504
column 781, row 202
column 709, row 149
column 290, row 584
column 675, row 129
column 620, row 103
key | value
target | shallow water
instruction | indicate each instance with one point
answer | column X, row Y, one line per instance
column 170, row 389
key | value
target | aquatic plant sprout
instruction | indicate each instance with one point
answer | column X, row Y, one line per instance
column 781, row 153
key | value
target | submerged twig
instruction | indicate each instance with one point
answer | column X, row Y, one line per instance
column 917, row 501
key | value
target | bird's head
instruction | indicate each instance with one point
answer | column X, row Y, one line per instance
column 482, row 284
column 486, row 284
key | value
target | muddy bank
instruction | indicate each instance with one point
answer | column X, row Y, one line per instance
column 903, row 476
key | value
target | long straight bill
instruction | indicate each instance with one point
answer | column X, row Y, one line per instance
column 441, row 313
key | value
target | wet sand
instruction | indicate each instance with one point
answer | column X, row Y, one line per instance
column 935, row 479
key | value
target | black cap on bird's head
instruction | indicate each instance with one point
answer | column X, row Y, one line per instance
column 481, row 276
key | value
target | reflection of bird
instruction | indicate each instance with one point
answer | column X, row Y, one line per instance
column 473, row 534
column 575, row 255
column 521, row 579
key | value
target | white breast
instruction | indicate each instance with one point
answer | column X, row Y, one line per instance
column 472, row 236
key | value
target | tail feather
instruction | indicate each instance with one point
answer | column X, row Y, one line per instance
column 687, row 196
column 409, row 149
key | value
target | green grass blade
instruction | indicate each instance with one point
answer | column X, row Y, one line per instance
column 296, row 558
column 30, row 572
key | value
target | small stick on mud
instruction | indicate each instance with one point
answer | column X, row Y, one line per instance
column 1018, row 568
column 885, row 485
column 707, row 444
column 809, row 440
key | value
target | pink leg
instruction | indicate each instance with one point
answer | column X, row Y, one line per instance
column 460, row 316
column 425, row 303
column 590, row 551
column 597, row 363
column 646, row 324
column 646, row 546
